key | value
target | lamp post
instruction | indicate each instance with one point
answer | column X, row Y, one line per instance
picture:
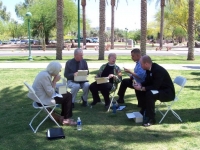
column 126, row 37
column 28, row 15
column 78, row 23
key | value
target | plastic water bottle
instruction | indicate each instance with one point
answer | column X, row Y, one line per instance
column 79, row 124
column 114, row 108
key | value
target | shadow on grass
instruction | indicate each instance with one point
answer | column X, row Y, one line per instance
column 99, row 127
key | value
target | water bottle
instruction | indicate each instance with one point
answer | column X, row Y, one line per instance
column 79, row 125
column 114, row 108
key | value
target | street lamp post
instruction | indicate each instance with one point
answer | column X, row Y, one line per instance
column 28, row 15
column 126, row 37
column 78, row 23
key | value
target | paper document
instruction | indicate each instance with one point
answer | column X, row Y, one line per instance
column 130, row 115
column 102, row 80
column 81, row 76
column 154, row 91
column 121, row 107
column 56, row 95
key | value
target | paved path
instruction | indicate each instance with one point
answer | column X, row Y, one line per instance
column 97, row 65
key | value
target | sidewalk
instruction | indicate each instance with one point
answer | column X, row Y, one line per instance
column 97, row 65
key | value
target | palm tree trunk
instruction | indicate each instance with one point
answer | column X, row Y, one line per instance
column 112, row 22
column 191, row 31
column 83, row 3
column 60, row 44
column 162, row 5
column 143, row 27
column 102, row 17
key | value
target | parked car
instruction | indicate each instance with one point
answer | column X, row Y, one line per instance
column 88, row 40
column 12, row 41
column 95, row 40
column 6, row 42
column 25, row 41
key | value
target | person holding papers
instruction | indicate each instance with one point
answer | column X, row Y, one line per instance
column 71, row 71
column 157, row 86
column 108, row 76
column 44, row 86
column 136, row 76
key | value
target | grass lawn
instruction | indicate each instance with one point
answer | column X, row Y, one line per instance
column 94, row 59
column 101, row 130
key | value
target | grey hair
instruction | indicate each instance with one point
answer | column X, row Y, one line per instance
column 111, row 54
column 78, row 50
column 53, row 68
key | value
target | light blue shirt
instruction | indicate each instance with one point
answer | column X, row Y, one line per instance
column 141, row 73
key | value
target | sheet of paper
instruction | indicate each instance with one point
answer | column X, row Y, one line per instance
column 154, row 91
column 130, row 115
column 102, row 80
column 56, row 95
column 121, row 107
column 82, row 72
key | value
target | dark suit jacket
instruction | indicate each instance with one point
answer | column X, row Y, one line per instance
column 70, row 68
column 159, row 79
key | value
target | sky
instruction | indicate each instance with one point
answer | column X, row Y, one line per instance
column 126, row 15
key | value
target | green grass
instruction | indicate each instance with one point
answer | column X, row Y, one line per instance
column 101, row 130
column 94, row 59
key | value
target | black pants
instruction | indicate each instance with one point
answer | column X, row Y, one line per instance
column 128, row 83
column 150, row 100
column 66, row 103
column 104, row 88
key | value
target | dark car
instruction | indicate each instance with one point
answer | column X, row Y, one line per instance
column 88, row 40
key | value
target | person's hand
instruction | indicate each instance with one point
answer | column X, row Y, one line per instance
column 56, row 78
column 127, row 70
column 75, row 74
column 111, row 76
column 137, row 86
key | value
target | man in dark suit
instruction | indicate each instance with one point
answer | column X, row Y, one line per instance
column 157, row 86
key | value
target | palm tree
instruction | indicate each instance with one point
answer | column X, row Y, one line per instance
column 60, row 42
column 143, row 26
column 102, row 9
column 191, row 31
column 112, row 22
column 162, row 5
column 83, row 3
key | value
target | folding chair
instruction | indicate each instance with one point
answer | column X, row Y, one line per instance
column 42, row 108
column 180, row 81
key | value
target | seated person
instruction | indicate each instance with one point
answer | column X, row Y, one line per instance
column 44, row 86
column 137, row 76
column 71, row 69
column 113, row 72
column 157, row 78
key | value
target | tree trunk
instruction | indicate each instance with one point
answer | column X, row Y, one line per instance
column 83, row 3
column 143, row 27
column 112, row 22
column 102, row 17
column 191, row 31
column 162, row 6
column 60, row 44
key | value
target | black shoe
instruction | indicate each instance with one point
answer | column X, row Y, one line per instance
column 121, row 101
column 72, row 105
column 94, row 103
column 149, row 122
column 84, row 103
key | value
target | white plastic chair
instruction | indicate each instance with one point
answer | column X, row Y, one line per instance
column 180, row 81
column 42, row 108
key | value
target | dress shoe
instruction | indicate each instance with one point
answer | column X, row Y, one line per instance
column 84, row 103
column 149, row 122
column 121, row 101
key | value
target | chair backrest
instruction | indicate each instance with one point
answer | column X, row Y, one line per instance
column 180, row 81
column 32, row 92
